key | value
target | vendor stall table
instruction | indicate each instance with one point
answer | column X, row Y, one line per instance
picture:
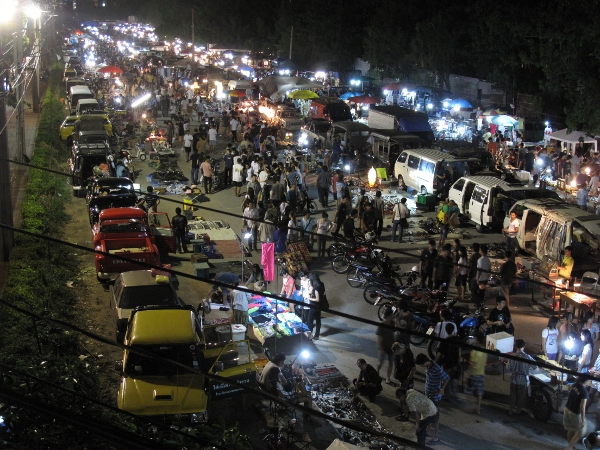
column 332, row 396
column 274, row 325
column 580, row 303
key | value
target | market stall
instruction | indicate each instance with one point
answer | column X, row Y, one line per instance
column 570, row 140
column 271, row 319
column 297, row 257
column 332, row 395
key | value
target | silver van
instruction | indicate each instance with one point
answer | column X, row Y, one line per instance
column 76, row 93
column 418, row 168
column 548, row 226
column 486, row 200
column 86, row 104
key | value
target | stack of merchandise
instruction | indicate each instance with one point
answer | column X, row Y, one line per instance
column 297, row 257
column 273, row 318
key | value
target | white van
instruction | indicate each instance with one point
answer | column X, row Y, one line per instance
column 548, row 226
column 86, row 104
column 77, row 93
column 418, row 168
column 486, row 200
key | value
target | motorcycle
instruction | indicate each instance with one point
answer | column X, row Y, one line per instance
column 425, row 324
column 469, row 325
column 375, row 291
column 305, row 202
column 364, row 253
column 216, row 168
column 432, row 303
column 359, row 274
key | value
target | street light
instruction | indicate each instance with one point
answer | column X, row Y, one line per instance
column 140, row 100
column 7, row 7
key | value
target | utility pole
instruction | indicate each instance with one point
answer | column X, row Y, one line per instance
column 6, row 213
column 32, row 29
column 291, row 39
column 19, row 92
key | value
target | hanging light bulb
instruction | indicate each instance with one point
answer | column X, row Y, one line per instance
column 372, row 176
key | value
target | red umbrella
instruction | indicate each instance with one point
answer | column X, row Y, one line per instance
column 237, row 93
column 364, row 99
column 393, row 87
column 110, row 69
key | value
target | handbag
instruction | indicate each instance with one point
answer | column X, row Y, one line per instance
column 404, row 222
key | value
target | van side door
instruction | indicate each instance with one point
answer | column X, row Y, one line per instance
column 412, row 178
column 456, row 194
column 476, row 207
column 400, row 166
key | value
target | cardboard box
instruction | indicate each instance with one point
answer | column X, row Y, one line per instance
column 201, row 270
column 530, row 263
column 502, row 342
column 199, row 258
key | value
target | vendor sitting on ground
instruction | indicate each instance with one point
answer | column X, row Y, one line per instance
column 369, row 381
column 226, row 278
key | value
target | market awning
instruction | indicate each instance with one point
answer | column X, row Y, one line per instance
column 573, row 138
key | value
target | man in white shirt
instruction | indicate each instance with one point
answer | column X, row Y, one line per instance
column 240, row 305
column 484, row 266
column 401, row 214
column 188, row 139
column 233, row 124
column 511, row 232
column 237, row 176
column 212, row 139
column 423, row 408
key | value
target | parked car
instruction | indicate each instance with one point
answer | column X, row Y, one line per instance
column 485, row 200
column 123, row 233
column 151, row 387
column 548, row 226
column 130, row 290
column 109, row 192
column 314, row 129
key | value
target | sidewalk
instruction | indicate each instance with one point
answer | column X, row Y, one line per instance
column 18, row 173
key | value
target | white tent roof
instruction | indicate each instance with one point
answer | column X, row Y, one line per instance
column 573, row 137
column 340, row 445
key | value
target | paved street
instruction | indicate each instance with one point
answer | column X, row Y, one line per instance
column 343, row 341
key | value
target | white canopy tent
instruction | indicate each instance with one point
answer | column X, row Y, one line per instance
column 570, row 140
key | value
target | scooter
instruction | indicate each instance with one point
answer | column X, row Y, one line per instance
column 138, row 152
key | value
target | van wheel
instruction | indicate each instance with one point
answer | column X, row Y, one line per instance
column 423, row 190
column 480, row 228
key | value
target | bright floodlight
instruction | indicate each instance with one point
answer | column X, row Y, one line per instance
column 140, row 100
column 305, row 354
column 8, row 8
column 429, row 105
column 34, row 11
column 247, row 235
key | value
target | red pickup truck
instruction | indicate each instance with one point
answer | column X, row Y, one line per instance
column 123, row 232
